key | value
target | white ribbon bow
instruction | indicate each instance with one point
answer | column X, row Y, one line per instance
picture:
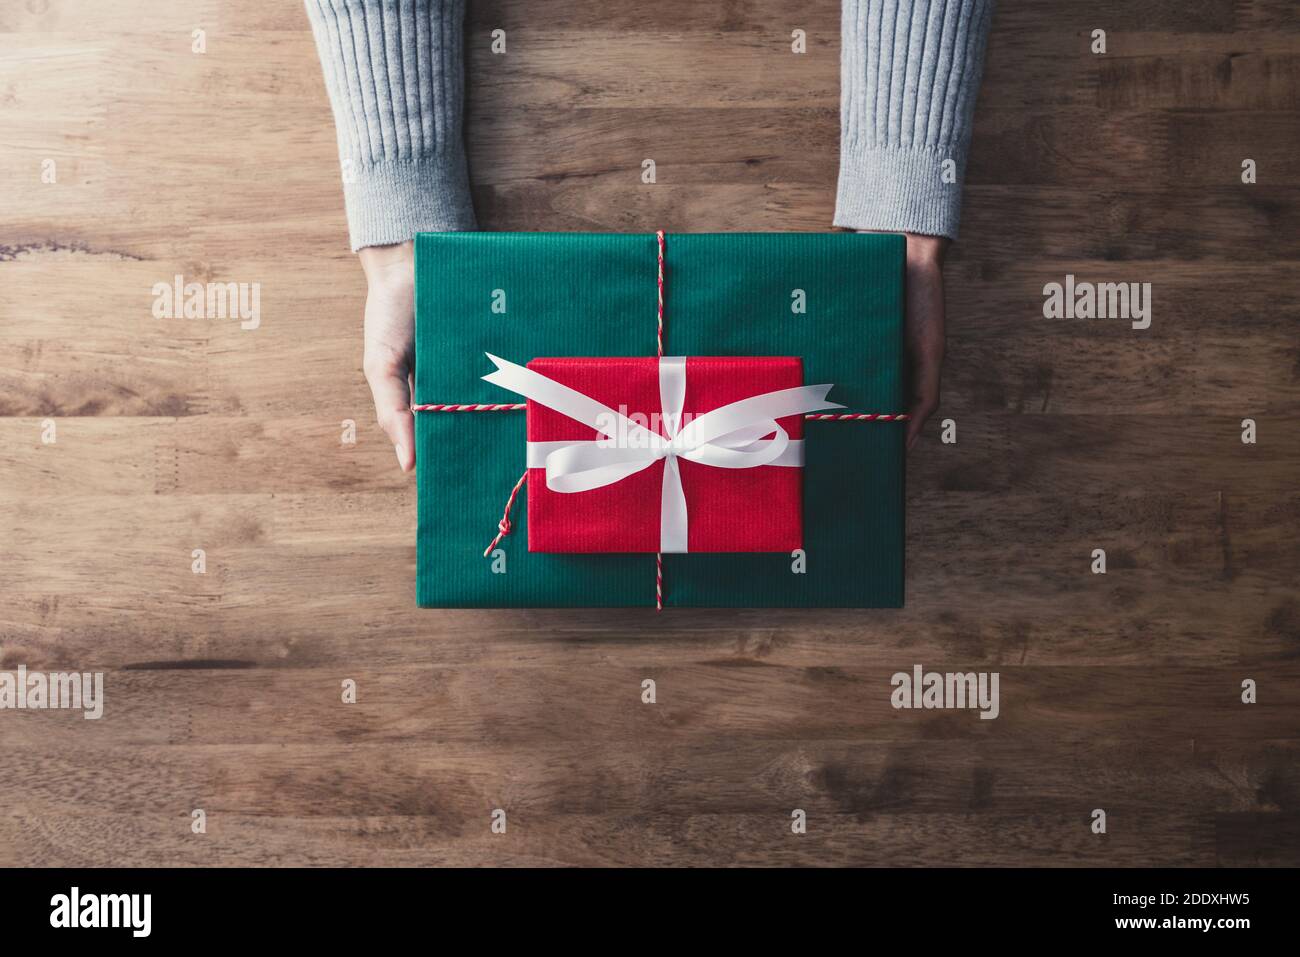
column 729, row 437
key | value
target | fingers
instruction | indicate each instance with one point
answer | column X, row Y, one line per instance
column 925, row 397
column 926, row 355
column 390, row 388
column 390, row 341
column 925, row 341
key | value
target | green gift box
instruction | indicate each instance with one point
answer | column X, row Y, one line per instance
column 833, row 299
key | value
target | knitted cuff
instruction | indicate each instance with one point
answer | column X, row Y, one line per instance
column 899, row 189
column 392, row 200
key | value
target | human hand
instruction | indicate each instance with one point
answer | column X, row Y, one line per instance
column 390, row 341
column 924, row 328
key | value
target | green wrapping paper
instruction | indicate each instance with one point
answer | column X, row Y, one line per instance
column 581, row 294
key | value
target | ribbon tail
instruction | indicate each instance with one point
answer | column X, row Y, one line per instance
column 673, row 522
column 756, row 409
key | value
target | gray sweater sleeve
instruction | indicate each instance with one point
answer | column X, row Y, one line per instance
column 910, row 72
column 909, row 76
column 395, row 77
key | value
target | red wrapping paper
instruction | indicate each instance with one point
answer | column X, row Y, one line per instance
column 730, row 510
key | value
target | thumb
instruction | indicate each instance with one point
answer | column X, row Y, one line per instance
column 390, row 388
column 925, row 400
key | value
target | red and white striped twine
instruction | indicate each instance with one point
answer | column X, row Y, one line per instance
column 659, row 556
column 859, row 417
column 500, row 407
column 660, row 236
column 520, row 406
column 504, row 526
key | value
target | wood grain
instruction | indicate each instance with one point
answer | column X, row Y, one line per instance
column 1119, row 691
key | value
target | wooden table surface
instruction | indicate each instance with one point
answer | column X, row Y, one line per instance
column 1119, row 691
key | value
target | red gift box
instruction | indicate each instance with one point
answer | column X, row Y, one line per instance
column 730, row 509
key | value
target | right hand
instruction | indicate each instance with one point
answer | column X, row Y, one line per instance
column 390, row 342
column 924, row 328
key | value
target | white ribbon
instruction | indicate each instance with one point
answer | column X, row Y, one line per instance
column 729, row 437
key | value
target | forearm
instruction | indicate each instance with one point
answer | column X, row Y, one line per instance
column 910, row 72
column 395, row 77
